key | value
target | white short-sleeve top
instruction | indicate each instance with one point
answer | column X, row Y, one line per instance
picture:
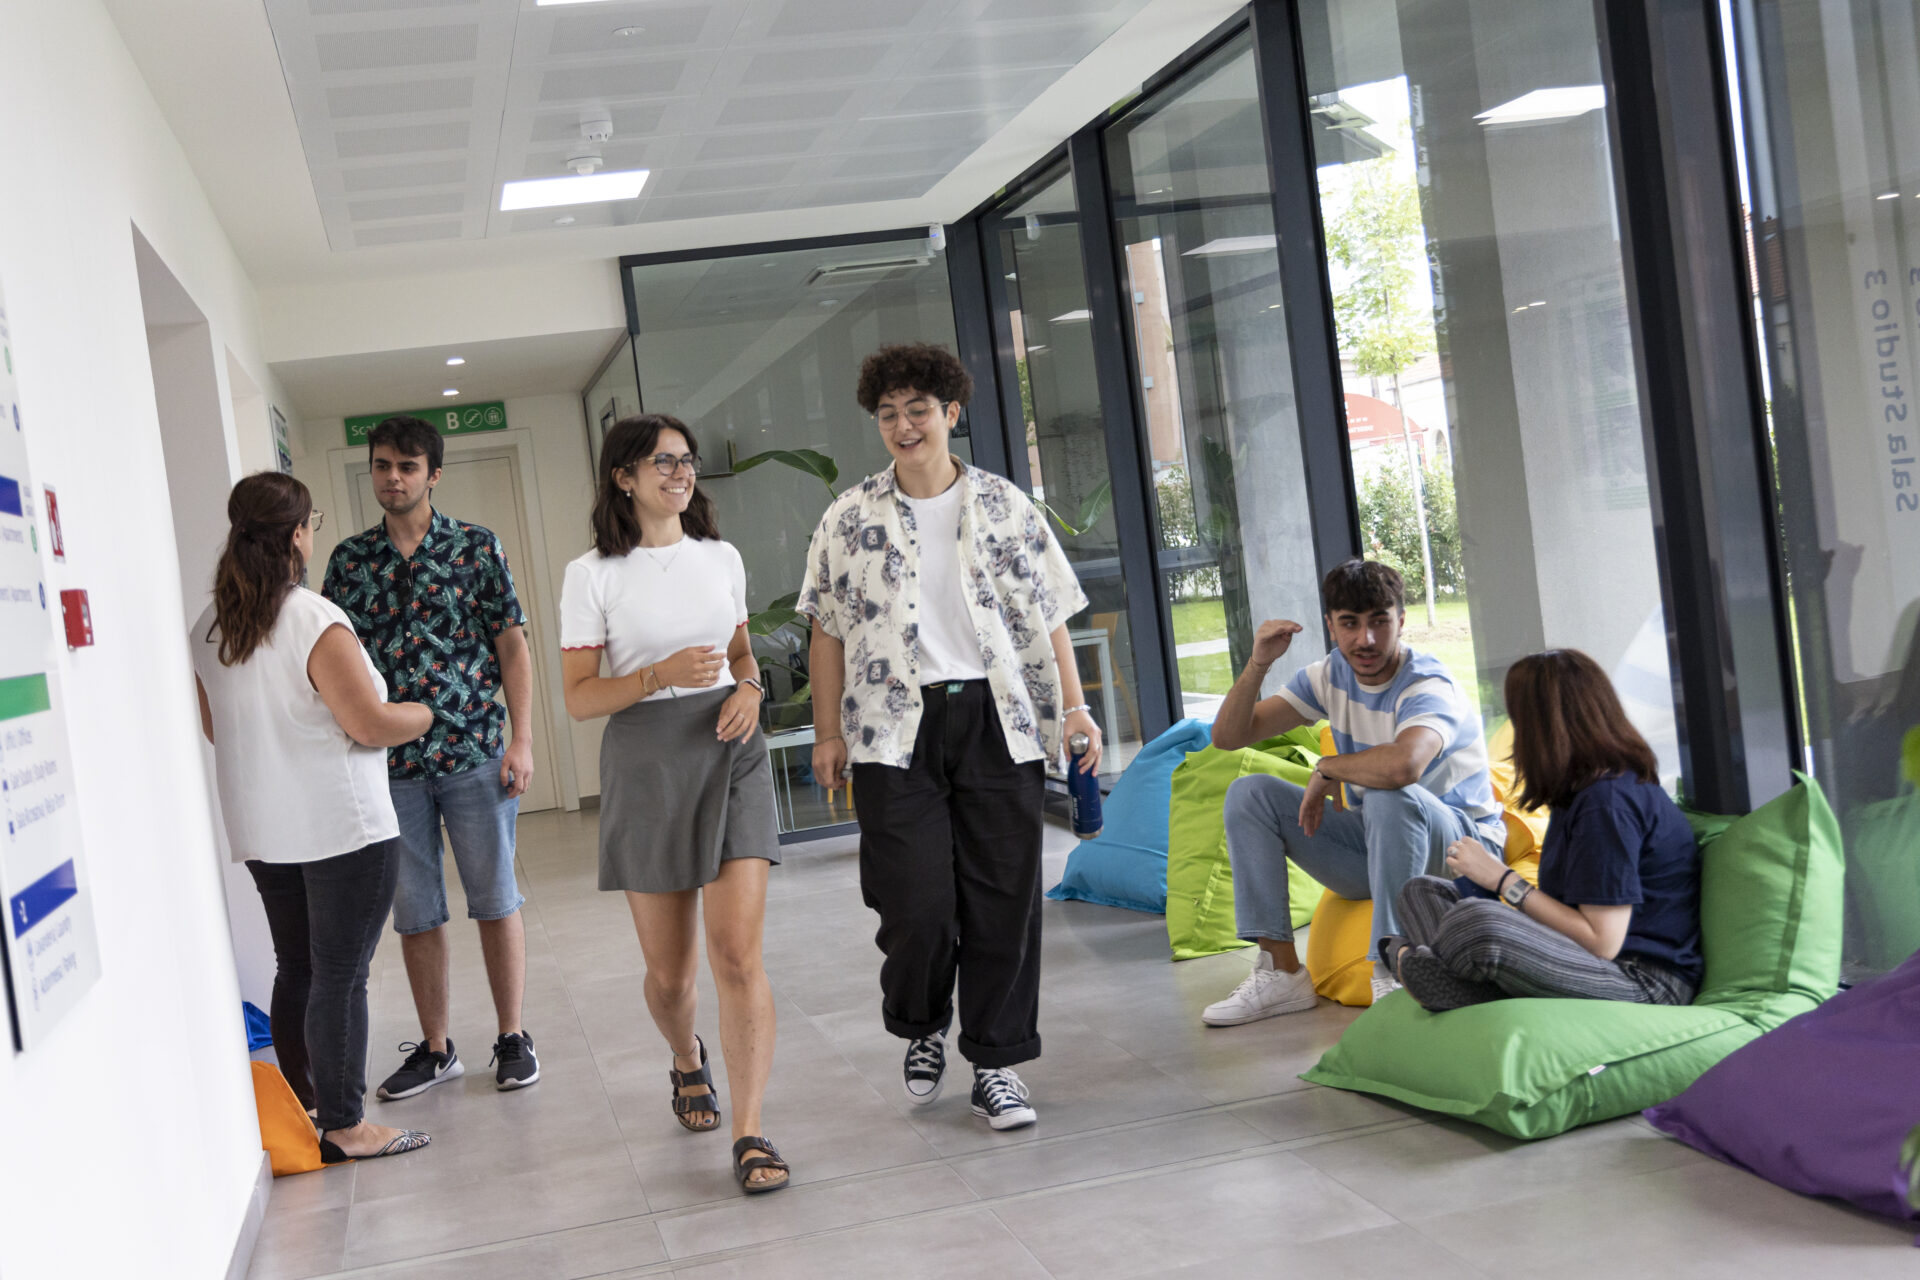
column 293, row 786
column 653, row 602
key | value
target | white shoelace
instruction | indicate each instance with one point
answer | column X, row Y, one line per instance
column 926, row 1056
column 1002, row 1089
column 1256, row 980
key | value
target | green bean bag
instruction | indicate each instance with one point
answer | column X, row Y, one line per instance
column 1199, row 874
column 1771, row 893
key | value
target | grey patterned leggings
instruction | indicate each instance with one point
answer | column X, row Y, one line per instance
column 1490, row 945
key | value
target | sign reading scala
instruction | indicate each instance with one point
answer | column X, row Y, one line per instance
column 448, row 420
column 51, row 954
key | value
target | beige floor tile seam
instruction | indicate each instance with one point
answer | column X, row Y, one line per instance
column 993, row 1203
column 1173, row 1167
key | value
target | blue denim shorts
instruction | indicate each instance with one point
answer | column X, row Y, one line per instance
column 479, row 818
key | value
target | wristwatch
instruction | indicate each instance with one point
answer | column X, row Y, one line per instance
column 1515, row 891
column 756, row 684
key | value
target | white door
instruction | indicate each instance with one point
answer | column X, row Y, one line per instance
column 484, row 489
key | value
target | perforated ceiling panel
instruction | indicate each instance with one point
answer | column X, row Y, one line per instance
column 414, row 112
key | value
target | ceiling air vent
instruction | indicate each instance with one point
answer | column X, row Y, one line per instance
column 864, row 272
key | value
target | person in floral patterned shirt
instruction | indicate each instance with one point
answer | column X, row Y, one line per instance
column 432, row 600
column 943, row 677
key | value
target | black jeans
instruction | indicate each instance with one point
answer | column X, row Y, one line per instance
column 950, row 858
column 326, row 919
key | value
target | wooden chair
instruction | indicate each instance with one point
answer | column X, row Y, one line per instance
column 1110, row 623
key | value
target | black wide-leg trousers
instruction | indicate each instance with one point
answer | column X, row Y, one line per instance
column 950, row 858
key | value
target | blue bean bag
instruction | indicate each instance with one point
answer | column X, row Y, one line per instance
column 1126, row 864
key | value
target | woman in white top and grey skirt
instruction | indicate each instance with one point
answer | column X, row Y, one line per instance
column 686, row 791
column 300, row 724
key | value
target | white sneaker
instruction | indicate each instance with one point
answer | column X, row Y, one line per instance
column 1384, row 983
column 1267, row 991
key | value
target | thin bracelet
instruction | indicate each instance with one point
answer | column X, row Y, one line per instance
column 1503, row 882
column 832, row 737
column 1085, row 706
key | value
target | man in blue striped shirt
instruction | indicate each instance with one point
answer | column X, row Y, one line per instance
column 1411, row 757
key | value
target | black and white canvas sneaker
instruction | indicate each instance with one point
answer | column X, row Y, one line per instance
column 925, row 1068
column 516, row 1067
column 1000, row 1098
column 422, row 1070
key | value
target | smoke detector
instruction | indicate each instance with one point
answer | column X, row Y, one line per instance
column 596, row 127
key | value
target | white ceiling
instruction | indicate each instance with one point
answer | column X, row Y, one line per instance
column 334, row 138
column 371, row 382
column 413, row 113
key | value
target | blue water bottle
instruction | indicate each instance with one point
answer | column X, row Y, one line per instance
column 1083, row 790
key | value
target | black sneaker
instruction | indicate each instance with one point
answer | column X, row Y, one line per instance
column 422, row 1070
column 925, row 1068
column 518, row 1067
column 1000, row 1098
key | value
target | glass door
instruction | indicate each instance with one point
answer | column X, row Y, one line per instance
column 1033, row 253
column 1194, row 224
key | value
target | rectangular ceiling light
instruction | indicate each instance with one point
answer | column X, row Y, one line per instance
column 1547, row 104
column 1232, row 244
column 591, row 188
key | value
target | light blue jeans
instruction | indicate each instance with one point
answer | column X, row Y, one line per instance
column 1369, row 853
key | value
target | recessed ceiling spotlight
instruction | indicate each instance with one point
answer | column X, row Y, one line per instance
column 585, row 188
column 628, row 33
column 456, row 360
column 451, row 391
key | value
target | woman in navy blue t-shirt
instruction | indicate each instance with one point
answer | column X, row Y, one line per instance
column 1616, row 915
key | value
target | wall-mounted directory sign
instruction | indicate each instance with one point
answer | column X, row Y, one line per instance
column 51, row 956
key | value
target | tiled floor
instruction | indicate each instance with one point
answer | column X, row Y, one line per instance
column 1163, row 1148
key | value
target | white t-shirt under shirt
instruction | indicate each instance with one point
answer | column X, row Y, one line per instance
column 949, row 647
column 293, row 786
column 653, row 602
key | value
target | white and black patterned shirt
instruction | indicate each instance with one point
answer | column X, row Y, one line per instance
column 863, row 588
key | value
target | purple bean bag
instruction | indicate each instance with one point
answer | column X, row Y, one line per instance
column 1820, row 1104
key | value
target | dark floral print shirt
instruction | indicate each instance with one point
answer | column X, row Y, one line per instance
column 863, row 587
column 429, row 621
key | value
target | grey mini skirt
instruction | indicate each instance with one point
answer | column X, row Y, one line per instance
column 675, row 801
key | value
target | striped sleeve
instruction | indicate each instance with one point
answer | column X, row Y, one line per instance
column 1302, row 691
column 1429, row 704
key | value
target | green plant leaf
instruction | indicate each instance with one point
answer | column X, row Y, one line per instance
column 803, row 694
column 811, row 461
column 770, row 620
column 1096, row 504
column 1910, row 1161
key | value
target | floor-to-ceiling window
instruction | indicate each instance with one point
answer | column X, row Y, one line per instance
column 1034, row 258
column 758, row 353
column 1492, row 402
column 1193, row 203
column 1831, row 93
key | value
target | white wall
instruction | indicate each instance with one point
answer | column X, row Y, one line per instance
column 130, row 1138
column 565, row 488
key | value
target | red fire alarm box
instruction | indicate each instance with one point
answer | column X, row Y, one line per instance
column 73, row 606
column 53, row 525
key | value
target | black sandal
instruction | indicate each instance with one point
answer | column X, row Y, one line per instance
column 699, row 1104
column 743, row 1169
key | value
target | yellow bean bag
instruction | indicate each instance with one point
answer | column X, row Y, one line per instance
column 1337, row 942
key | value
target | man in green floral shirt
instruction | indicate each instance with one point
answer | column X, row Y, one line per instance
column 433, row 602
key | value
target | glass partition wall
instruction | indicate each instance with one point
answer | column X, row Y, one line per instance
column 1034, row 254
column 758, row 352
column 1480, row 304
column 1194, row 229
column 1829, row 94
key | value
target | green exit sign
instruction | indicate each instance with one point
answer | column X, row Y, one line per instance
column 449, row 420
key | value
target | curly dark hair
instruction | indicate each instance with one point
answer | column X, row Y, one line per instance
column 1362, row 586
column 913, row 366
